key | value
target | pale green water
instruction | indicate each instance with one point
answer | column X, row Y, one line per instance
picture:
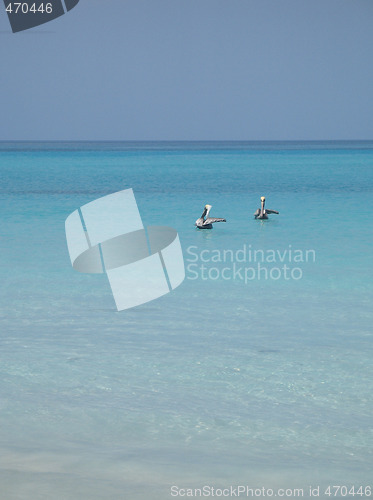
column 267, row 383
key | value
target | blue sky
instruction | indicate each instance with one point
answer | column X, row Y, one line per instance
column 191, row 70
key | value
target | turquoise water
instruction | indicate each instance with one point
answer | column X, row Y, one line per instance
column 266, row 383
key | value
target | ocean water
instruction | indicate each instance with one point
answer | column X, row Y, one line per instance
column 265, row 381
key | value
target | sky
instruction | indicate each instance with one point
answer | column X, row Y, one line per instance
column 191, row 70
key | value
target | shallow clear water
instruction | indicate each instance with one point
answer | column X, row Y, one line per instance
column 265, row 383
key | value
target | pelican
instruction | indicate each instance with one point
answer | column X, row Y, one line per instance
column 262, row 213
column 206, row 223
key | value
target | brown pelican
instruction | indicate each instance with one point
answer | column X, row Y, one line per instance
column 206, row 223
column 262, row 213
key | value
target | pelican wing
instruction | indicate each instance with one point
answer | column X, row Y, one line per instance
column 272, row 211
column 257, row 213
column 211, row 220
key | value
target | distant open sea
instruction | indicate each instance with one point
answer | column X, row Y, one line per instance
column 244, row 375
